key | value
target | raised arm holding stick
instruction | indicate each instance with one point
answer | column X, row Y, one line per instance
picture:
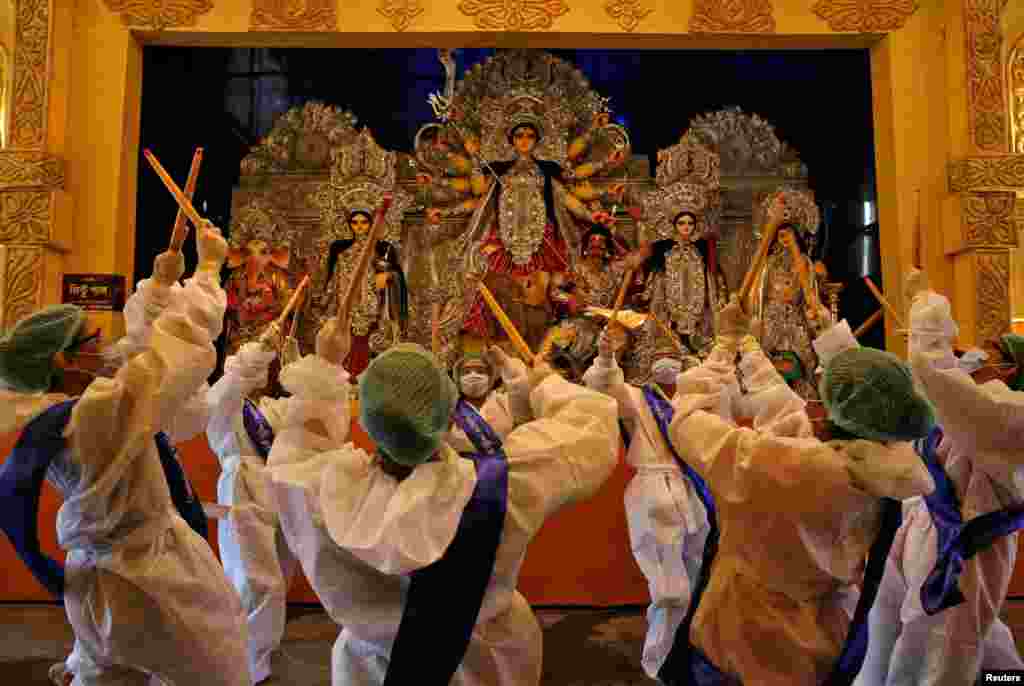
column 335, row 340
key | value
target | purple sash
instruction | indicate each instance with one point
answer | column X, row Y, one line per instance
column 182, row 494
column 686, row 664
column 444, row 598
column 958, row 541
column 261, row 434
column 21, row 482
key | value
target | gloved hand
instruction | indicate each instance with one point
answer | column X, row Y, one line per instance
column 732, row 324
column 211, row 246
column 334, row 341
column 540, row 371
column 885, row 471
column 271, row 338
column 914, row 283
column 497, row 358
column 605, row 347
column 168, row 267
column 731, row 320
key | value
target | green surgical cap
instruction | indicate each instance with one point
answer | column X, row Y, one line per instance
column 405, row 403
column 1014, row 345
column 27, row 350
column 871, row 394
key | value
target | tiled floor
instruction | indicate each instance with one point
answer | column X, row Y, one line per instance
column 581, row 646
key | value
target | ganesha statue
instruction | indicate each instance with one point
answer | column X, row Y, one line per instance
column 259, row 284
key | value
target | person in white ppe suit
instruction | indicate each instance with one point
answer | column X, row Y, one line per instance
column 253, row 549
column 505, row 409
column 936, row 620
column 792, row 519
column 450, row 532
column 150, row 299
column 667, row 522
column 144, row 593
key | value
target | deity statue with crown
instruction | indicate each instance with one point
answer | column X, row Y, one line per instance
column 362, row 175
column 789, row 316
column 516, row 175
column 685, row 284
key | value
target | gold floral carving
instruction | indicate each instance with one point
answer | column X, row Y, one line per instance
column 31, row 67
column 25, row 217
column 400, row 12
column 1016, row 68
column 159, row 14
column 513, row 15
column 998, row 172
column 627, row 12
column 988, row 219
column 22, row 170
column 24, row 280
column 987, row 107
column 294, row 15
column 732, row 16
column 993, row 305
column 865, row 16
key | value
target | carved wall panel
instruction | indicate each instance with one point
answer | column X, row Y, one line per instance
column 25, row 217
column 865, row 16
column 161, row 14
column 400, row 12
column 998, row 172
column 522, row 15
column 993, row 305
column 628, row 13
column 988, row 219
column 31, row 71
column 294, row 15
column 988, row 112
column 28, row 170
column 23, row 282
column 732, row 16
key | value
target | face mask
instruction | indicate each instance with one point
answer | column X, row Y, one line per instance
column 666, row 371
column 474, row 384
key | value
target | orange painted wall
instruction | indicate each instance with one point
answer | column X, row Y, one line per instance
column 581, row 557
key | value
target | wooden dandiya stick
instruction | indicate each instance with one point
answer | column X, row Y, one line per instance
column 298, row 314
column 868, row 323
column 668, row 332
column 299, row 293
column 883, row 302
column 506, row 323
column 755, row 266
column 184, row 203
column 180, row 232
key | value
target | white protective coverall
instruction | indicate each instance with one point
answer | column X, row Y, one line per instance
column 667, row 523
column 503, row 410
column 143, row 592
column 141, row 310
column 794, row 529
column 390, row 528
column 253, row 550
column 980, row 452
